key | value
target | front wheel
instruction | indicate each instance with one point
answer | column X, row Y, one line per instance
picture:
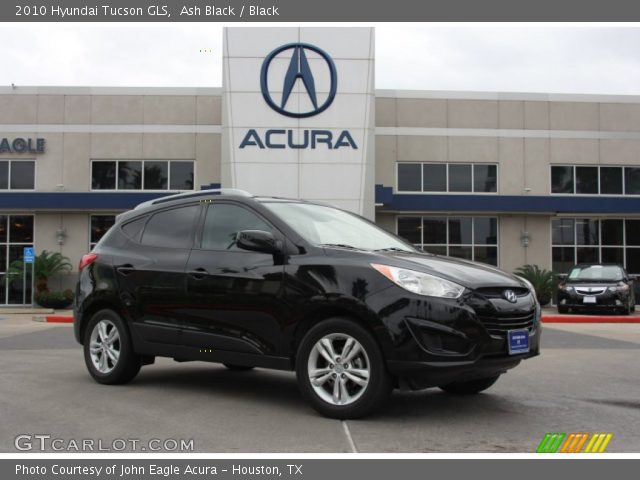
column 108, row 352
column 470, row 387
column 341, row 370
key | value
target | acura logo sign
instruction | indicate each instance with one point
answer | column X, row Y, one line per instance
column 298, row 69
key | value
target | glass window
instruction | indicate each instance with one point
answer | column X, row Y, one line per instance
column 633, row 261
column 563, row 259
column 611, row 180
column 223, row 222
column 103, row 175
column 3, row 228
column 485, row 230
column 460, row 230
column 171, row 228
column 587, row 232
column 21, row 228
column 410, row 229
column 588, row 255
column 435, row 230
column 409, row 177
column 587, row 180
column 100, row 224
column 459, row 178
column 563, row 232
column 129, row 175
column 486, row 255
column 632, row 181
column 4, row 175
column 22, row 175
column 612, row 232
column 461, row 252
column 436, row 249
column 155, row 175
column 613, row 255
column 561, row 179
column 632, row 228
column 181, row 176
column 133, row 228
column 485, row 178
column 434, row 177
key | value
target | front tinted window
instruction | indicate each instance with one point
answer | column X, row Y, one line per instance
column 596, row 272
column 224, row 221
column 322, row 225
column 171, row 228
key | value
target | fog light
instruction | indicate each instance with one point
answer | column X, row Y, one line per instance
column 618, row 302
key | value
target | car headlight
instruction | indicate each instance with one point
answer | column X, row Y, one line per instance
column 528, row 284
column 623, row 287
column 419, row 282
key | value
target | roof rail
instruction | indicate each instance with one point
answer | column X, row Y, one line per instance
column 198, row 193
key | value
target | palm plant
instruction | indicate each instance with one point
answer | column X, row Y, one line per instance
column 541, row 279
column 46, row 265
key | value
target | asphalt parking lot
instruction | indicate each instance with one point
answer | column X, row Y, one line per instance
column 586, row 380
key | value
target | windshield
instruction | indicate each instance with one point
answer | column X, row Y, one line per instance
column 329, row 226
column 597, row 273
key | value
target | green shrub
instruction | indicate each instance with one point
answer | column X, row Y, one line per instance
column 541, row 279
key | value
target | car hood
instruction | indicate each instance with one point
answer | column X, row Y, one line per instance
column 463, row 272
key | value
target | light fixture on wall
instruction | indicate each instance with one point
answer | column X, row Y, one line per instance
column 525, row 238
column 61, row 235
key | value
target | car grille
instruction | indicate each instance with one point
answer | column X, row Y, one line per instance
column 591, row 290
column 500, row 325
column 498, row 292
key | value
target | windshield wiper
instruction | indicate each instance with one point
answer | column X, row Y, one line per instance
column 390, row 249
column 339, row 245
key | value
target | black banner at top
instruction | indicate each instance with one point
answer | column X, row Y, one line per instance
column 319, row 11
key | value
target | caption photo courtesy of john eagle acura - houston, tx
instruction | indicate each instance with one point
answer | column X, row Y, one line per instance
column 299, row 219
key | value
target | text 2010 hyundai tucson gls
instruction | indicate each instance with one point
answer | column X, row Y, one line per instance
column 292, row 285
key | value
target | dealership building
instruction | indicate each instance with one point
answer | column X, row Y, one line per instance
column 502, row 178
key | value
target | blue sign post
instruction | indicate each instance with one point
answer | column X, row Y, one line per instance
column 28, row 257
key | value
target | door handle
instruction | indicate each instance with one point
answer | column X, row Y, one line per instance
column 125, row 269
column 198, row 273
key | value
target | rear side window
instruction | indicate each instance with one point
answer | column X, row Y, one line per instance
column 134, row 228
column 224, row 221
column 171, row 228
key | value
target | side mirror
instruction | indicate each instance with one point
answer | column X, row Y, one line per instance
column 633, row 277
column 258, row 241
column 561, row 276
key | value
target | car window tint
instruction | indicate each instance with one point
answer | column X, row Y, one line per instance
column 224, row 221
column 171, row 228
column 133, row 228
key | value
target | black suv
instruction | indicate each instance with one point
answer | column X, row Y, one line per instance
column 597, row 287
column 286, row 284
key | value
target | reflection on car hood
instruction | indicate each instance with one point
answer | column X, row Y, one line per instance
column 464, row 272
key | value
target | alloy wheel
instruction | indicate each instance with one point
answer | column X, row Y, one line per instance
column 339, row 369
column 104, row 346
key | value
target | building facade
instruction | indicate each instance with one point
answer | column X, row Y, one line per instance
column 506, row 179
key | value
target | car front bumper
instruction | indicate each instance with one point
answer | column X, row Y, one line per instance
column 604, row 301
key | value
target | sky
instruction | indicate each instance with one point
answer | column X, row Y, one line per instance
column 516, row 58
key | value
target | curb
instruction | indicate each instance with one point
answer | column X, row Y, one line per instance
column 589, row 319
column 53, row 318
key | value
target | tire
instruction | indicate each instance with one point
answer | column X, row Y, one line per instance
column 127, row 364
column 238, row 368
column 355, row 399
column 470, row 387
column 562, row 309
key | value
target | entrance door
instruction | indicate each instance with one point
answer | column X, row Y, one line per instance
column 16, row 233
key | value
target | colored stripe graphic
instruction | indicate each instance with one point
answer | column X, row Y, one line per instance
column 557, row 442
column 550, row 442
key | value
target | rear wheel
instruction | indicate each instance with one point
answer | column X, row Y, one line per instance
column 237, row 368
column 108, row 352
column 341, row 370
column 470, row 387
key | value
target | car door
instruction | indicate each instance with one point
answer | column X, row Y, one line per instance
column 235, row 295
column 151, row 272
